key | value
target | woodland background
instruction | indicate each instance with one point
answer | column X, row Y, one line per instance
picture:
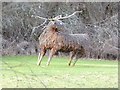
column 98, row 19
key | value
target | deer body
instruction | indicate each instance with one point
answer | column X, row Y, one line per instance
column 56, row 40
column 60, row 41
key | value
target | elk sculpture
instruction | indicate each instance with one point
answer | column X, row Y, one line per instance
column 54, row 39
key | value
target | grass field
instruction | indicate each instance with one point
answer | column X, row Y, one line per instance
column 22, row 72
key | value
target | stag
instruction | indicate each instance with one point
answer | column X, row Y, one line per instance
column 55, row 40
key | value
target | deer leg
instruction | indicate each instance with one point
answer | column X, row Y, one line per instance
column 40, row 56
column 52, row 52
column 71, row 58
column 76, row 59
column 88, row 54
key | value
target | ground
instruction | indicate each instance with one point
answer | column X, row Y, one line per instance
column 22, row 72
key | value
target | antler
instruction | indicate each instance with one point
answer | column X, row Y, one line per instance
column 41, row 18
column 60, row 16
column 57, row 17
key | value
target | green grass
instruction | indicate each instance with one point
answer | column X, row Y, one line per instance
column 22, row 72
